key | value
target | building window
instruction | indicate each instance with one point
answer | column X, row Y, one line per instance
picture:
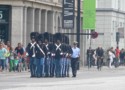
column 113, row 25
column 120, row 24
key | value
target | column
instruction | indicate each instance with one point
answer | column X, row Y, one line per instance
column 56, row 22
column 38, row 20
column 59, row 22
column 51, row 22
column 17, row 25
column 30, row 22
column 25, row 26
column 44, row 21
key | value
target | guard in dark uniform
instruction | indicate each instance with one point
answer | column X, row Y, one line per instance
column 52, row 57
column 68, row 56
column 40, row 56
column 47, row 54
column 31, row 53
column 58, row 54
column 63, row 60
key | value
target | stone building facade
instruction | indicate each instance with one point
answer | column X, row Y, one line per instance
column 110, row 19
column 26, row 16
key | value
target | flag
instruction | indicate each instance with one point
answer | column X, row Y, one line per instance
column 89, row 14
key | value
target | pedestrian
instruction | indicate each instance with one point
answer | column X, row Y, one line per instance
column 3, row 51
column 89, row 56
column 117, row 59
column 9, row 50
column 75, row 58
column 121, row 56
column 19, row 52
column 94, row 57
column 111, row 57
column 100, row 55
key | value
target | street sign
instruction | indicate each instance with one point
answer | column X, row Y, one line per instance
column 117, row 36
column 4, row 14
column 68, row 14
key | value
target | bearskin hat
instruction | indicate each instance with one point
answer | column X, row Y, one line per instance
column 40, row 38
column 46, row 36
column 57, row 36
column 34, row 35
column 51, row 37
column 66, row 39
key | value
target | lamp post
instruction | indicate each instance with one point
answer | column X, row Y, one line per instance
column 78, row 22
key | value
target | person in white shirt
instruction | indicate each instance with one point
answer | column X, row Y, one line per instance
column 75, row 57
column 111, row 57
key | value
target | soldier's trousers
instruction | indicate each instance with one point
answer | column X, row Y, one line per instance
column 40, row 67
column 58, row 67
column 68, row 63
column 63, row 67
column 33, row 66
column 47, row 66
column 52, row 67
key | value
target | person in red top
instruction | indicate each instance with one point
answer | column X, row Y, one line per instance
column 117, row 54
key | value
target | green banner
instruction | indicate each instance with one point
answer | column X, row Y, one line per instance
column 89, row 14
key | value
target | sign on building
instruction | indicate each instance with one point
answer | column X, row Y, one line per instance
column 89, row 14
column 68, row 14
column 4, row 14
column 5, row 20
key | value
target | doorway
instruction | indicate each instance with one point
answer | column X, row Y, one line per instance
column 4, row 32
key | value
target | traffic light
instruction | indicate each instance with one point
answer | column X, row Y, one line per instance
column 117, row 36
column 94, row 34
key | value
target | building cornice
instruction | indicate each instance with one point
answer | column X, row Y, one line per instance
column 110, row 10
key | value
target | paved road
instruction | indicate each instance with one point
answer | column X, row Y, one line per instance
column 107, row 79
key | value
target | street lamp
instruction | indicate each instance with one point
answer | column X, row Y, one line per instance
column 78, row 21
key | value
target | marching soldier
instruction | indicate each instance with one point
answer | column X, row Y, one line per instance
column 63, row 60
column 58, row 54
column 40, row 56
column 68, row 56
column 52, row 61
column 47, row 54
column 31, row 53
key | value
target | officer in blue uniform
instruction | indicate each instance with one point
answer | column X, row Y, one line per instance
column 75, row 58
